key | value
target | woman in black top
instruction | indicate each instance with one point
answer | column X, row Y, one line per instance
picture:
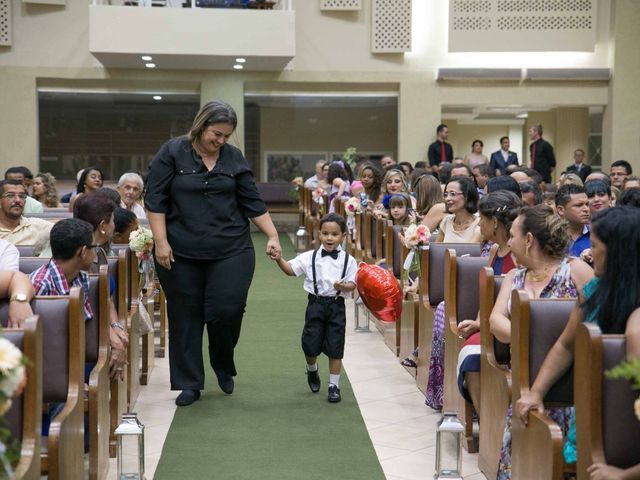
column 200, row 194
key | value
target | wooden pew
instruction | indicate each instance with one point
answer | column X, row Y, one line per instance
column 373, row 238
column 536, row 451
column 462, row 302
column 63, row 372
column 431, row 293
column 495, row 378
column 24, row 418
column 606, row 428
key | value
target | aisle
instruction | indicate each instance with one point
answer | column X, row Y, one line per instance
column 272, row 426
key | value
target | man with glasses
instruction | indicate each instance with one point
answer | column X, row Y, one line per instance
column 22, row 174
column 14, row 227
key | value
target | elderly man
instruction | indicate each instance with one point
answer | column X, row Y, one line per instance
column 130, row 188
column 312, row 182
column 14, row 227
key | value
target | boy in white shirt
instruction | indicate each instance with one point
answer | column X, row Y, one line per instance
column 329, row 276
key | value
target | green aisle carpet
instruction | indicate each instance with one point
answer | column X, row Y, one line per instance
column 272, row 427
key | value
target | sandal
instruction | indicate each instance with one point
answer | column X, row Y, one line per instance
column 409, row 362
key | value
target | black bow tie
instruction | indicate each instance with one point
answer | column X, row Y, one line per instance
column 333, row 254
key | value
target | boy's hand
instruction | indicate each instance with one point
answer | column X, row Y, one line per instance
column 338, row 285
column 343, row 286
column 275, row 255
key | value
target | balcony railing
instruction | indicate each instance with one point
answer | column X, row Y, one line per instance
column 234, row 4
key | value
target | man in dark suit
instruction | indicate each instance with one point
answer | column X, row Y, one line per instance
column 440, row 152
column 579, row 167
column 501, row 159
column 541, row 153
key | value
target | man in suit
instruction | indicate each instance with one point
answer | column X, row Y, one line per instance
column 440, row 152
column 541, row 153
column 501, row 159
column 579, row 168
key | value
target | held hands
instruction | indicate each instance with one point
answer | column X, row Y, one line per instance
column 600, row 471
column 274, row 251
column 164, row 254
column 527, row 402
column 466, row 328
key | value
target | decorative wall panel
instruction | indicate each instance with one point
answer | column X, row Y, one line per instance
column 5, row 22
column 340, row 5
column 390, row 26
column 522, row 25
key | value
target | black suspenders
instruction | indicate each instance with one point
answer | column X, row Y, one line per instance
column 313, row 269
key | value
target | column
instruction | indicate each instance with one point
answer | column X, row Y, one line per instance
column 573, row 126
column 419, row 113
column 228, row 87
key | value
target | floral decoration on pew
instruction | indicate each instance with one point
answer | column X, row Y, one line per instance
column 414, row 238
column 141, row 242
column 351, row 207
column 294, row 193
column 628, row 370
column 318, row 196
column 13, row 378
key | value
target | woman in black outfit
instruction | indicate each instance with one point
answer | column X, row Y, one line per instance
column 200, row 195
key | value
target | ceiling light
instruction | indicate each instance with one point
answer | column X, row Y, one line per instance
column 241, row 60
column 237, row 66
column 523, row 115
column 157, row 97
column 147, row 58
column 150, row 65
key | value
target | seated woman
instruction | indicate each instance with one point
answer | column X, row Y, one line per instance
column 393, row 182
column 430, row 202
column 615, row 246
column 498, row 210
column 125, row 222
column 340, row 182
column 90, row 180
column 44, row 190
column 539, row 242
column 371, row 179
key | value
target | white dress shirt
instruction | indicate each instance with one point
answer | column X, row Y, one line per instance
column 328, row 271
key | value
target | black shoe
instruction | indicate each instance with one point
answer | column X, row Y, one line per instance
column 334, row 394
column 313, row 379
column 187, row 397
column 225, row 381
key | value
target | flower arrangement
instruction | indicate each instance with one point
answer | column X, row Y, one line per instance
column 141, row 242
column 350, row 156
column 13, row 378
column 352, row 206
column 297, row 183
column 629, row 370
column 414, row 237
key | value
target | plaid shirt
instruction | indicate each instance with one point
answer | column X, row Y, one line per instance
column 49, row 280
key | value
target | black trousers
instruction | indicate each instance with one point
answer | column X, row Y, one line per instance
column 324, row 327
column 199, row 293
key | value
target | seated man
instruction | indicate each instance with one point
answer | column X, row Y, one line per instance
column 572, row 204
column 22, row 174
column 14, row 227
column 73, row 253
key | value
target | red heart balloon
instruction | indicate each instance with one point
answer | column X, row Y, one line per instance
column 380, row 292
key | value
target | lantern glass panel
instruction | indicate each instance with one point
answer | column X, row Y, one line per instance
column 130, row 463
column 449, row 454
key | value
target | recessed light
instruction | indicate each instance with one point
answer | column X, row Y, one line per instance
column 238, row 66
column 147, row 58
column 157, row 97
column 150, row 65
column 241, row 60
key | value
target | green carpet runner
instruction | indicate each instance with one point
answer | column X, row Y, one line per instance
column 272, row 427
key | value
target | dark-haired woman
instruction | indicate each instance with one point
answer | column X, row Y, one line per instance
column 200, row 197
column 539, row 241
column 339, row 180
column 461, row 200
column 91, row 180
column 371, row 179
column 125, row 222
column 615, row 246
column 476, row 157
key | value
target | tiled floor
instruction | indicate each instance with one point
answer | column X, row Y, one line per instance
column 401, row 426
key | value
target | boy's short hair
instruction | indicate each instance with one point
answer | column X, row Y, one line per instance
column 334, row 217
column 67, row 236
column 563, row 195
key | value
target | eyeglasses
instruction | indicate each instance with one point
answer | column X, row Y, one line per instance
column 21, row 196
column 451, row 194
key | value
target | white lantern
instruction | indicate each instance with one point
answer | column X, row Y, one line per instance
column 449, row 447
column 302, row 240
column 130, row 435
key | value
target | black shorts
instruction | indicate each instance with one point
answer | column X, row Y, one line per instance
column 324, row 327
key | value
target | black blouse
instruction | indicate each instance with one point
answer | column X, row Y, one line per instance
column 207, row 212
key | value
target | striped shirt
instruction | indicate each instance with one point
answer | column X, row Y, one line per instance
column 49, row 280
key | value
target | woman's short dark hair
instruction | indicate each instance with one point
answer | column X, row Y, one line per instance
column 502, row 205
column 210, row 113
column 470, row 192
column 619, row 229
column 94, row 208
column 504, row 182
column 123, row 219
column 85, row 174
column 595, row 186
column 67, row 236
column 477, row 141
column 546, row 226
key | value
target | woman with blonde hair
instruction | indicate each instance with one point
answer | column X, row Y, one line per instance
column 44, row 190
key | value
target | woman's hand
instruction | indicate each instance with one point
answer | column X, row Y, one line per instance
column 164, row 254
column 273, row 248
column 18, row 313
column 527, row 402
column 466, row 328
column 117, row 362
column 600, row 471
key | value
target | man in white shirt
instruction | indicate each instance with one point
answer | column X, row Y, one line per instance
column 130, row 188
column 312, row 182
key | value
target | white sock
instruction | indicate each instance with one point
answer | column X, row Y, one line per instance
column 312, row 368
column 334, row 379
